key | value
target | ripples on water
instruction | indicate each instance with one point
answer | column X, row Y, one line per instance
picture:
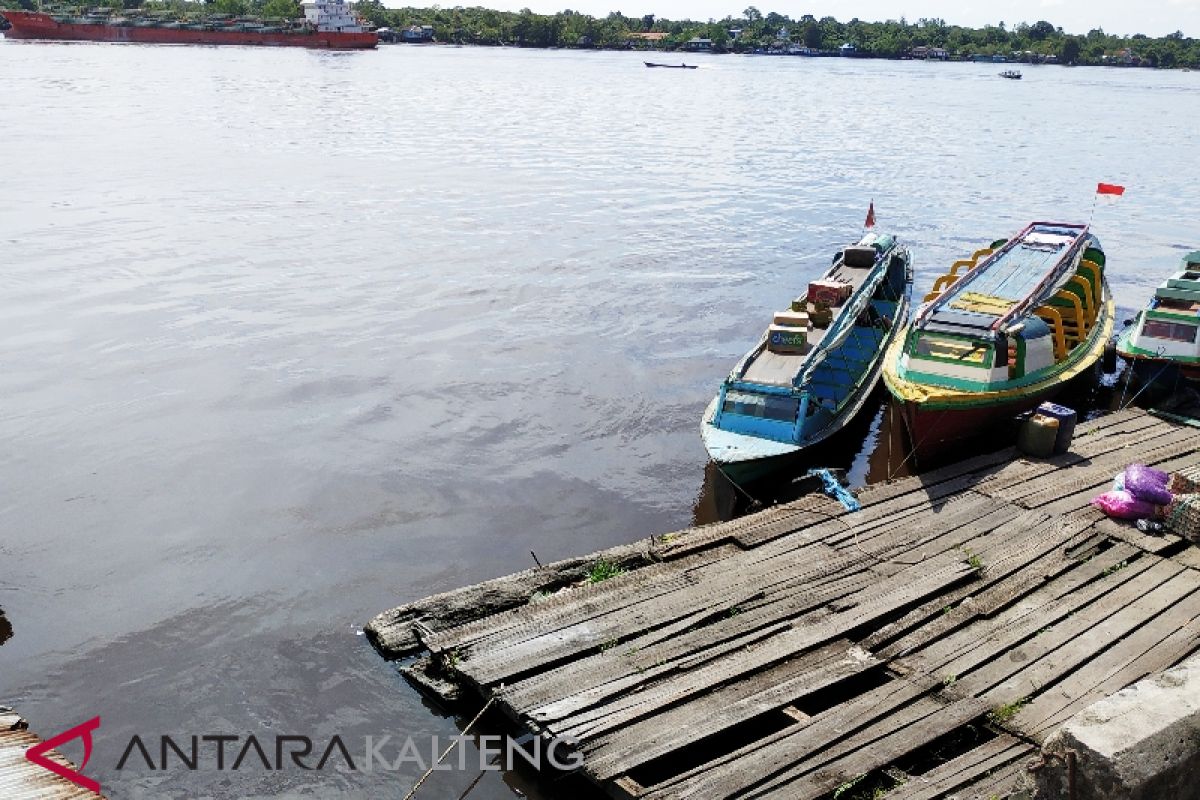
column 288, row 338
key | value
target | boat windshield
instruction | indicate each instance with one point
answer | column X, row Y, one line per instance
column 763, row 406
column 1175, row 331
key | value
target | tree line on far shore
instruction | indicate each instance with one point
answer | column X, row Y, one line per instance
column 752, row 31
column 758, row 31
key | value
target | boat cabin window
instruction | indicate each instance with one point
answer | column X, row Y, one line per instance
column 951, row 349
column 764, row 406
column 1175, row 331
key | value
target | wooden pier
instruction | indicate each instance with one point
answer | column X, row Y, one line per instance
column 924, row 645
column 22, row 779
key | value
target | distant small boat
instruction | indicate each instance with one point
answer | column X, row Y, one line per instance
column 670, row 66
column 1012, row 74
column 1162, row 344
column 817, row 364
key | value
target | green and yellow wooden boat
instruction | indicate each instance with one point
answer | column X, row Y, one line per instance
column 1000, row 333
column 1162, row 345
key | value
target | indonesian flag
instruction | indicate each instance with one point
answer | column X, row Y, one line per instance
column 1110, row 190
column 870, row 223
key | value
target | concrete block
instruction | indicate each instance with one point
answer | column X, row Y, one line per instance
column 1142, row 743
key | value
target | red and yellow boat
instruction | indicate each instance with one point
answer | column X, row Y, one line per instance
column 327, row 24
column 999, row 334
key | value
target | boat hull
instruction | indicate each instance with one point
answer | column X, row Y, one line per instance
column 1162, row 370
column 938, row 428
column 743, row 458
column 941, row 433
column 33, row 25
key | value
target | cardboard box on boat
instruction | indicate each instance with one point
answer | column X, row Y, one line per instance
column 827, row 292
column 785, row 339
column 792, row 319
column 820, row 315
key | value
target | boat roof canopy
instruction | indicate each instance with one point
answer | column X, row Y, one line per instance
column 1007, row 282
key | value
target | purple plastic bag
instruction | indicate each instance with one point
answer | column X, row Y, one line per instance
column 1147, row 484
column 1123, row 505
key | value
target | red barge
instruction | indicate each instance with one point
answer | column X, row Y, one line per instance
column 327, row 24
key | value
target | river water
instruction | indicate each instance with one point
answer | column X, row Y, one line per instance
column 288, row 338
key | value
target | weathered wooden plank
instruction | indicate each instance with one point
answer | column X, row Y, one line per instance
column 901, row 530
column 536, row 642
column 1188, row 557
column 767, row 533
column 808, row 634
column 734, row 772
column 880, row 493
column 1119, row 417
column 682, row 543
column 1128, row 532
column 1002, row 784
column 957, row 630
column 619, row 751
column 961, row 771
column 1154, row 646
column 1071, row 642
column 969, row 647
column 1012, row 569
column 637, row 584
column 533, row 647
column 589, row 601
column 592, row 680
column 816, row 777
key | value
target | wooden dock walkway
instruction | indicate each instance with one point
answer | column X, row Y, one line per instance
column 22, row 779
column 924, row 645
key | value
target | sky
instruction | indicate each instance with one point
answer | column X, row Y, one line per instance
column 1151, row 17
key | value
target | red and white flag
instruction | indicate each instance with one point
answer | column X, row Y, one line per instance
column 870, row 223
column 1109, row 191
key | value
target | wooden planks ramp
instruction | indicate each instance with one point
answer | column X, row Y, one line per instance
column 922, row 647
column 22, row 779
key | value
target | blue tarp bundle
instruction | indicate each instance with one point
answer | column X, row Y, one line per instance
column 834, row 489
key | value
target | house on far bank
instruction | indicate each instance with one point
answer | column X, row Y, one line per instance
column 848, row 50
column 1124, row 58
column 643, row 41
column 930, row 53
column 415, row 34
column 698, row 45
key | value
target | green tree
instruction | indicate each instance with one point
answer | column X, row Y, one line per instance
column 281, row 9
column 235, row 8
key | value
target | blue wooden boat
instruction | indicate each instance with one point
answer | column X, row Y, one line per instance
column 815, row 367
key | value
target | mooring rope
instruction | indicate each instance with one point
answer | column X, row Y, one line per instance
column 446, row 752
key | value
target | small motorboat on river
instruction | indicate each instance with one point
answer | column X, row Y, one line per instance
column 816, row 365
column 1011, row 74
column 670, row 66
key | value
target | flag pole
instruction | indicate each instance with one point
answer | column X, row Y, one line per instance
column 1093, row 211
